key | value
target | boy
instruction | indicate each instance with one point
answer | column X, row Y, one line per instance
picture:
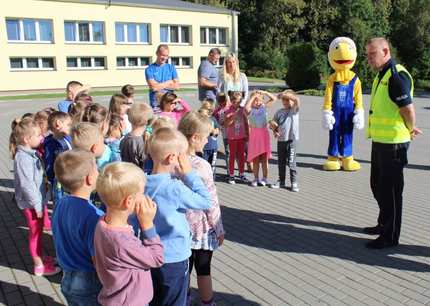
column 87, row 136
column 59, row 141
column 173, row 197
column 72, row 88
column 73, row 225
column 122, row 261
column 132, row 146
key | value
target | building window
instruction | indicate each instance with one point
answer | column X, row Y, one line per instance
column 181, row 62
column 86, row 62
column 132, row 62
column 213, row 36
column 29, row 30
column 31, row 63
column 219, row 64
column 84, row 32
column 133, row 33
column 175, row 34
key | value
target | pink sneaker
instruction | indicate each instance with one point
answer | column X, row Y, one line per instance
column 46, row 270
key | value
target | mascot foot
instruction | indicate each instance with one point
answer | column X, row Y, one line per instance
column 332, row 164
column 349, row 164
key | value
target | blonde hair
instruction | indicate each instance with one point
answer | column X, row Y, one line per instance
column 116, row 101
column 139, row 114
column 290, row 95
column 85, row 135
column 166, row 141
column 207, row 107
column 21, row 128
column 235, row 77
column 119, row 180
column 194, row 123
column 56, row 116
column 163, row 122
column 72, row 166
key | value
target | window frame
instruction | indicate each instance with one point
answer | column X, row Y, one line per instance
column 217, row 43
column 92, row 59
column 180, row 26
column 21, row 31
column 90, row 30
column 139, row 62
column 39, row 63
column 181, row 66
column 138, row 26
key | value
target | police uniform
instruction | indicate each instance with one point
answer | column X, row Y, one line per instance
column 391, row 90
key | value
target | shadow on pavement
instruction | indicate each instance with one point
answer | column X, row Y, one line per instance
column 284, row 234
column 223, row 299
column 31, row 297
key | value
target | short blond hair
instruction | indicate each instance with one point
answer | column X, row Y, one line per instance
column 139, row 114
column 119, row 180
column 195, row 123
column 290, row 95
column 72, row 166
column 207, row 108
column 162, row 122
column 165, row 141
column 85, row 135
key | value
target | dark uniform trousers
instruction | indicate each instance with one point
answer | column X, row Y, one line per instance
column 386, row 181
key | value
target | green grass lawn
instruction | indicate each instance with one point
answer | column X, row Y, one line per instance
column 265, row 80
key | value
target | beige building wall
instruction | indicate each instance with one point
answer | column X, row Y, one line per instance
column 59, row 11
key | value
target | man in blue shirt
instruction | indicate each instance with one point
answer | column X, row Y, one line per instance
column 161, row 76
column 208, row 76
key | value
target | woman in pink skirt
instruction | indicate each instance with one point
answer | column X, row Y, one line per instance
column 259, row 147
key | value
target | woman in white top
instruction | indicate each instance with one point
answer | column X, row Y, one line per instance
column 231, row 79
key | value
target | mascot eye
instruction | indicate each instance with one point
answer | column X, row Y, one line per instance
column 337, row 47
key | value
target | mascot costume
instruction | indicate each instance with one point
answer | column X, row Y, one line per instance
column 343, row 105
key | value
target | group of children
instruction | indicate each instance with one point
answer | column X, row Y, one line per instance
column 135, row 202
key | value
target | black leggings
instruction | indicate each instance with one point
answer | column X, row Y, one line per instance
column 201, row 259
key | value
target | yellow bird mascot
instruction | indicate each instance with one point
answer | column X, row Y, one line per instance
column 343, row 105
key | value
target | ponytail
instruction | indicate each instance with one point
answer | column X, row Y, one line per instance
column 20, row 128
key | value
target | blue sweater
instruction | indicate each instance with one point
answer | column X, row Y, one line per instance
column 173, row 197
column 53, row 148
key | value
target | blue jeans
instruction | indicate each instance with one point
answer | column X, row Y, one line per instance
column 80, row 288
column 170, row 284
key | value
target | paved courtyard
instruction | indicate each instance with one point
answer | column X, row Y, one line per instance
column 281, row 248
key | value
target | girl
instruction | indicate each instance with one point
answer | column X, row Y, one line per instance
column 285, row 126
column 119, row 105
column 31, row 189
column 206, row 226
column 259, row 147
column 210, row 149
column 219, row 114
column 236, row 125
column 173, row 107
column 114, row 135
column 128, row 91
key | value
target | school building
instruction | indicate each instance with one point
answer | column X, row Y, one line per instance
column 46, row 43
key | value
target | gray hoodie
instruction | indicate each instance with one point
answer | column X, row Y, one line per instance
column 30, row 188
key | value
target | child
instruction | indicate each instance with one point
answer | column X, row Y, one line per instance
column 87, row 136
column 210, row 150
column 98, row 114
column 173, row 197
column 73, row 225
column 31, row 189
column 259, row 147
column 219, row 114
column 114, row 135
column 41, row 119
column 119, row 105
column 173, row 107
column 132, row 146
column 207, row 232
column 59, row 141
column 285, row 126
column 122, row 261
column 71, row 89
column 236, row 126
column 128, row 91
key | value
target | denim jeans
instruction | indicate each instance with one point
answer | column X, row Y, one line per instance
column 170, row 284
column 80, row 288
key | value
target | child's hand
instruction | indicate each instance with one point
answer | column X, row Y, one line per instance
column 145, row 211
column 220, row 239
column 39, row 214
column 184, row 164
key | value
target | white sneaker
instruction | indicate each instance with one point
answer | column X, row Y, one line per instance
column 254, row 183
column 263, row 182
column 231, row 180
column 294, row 187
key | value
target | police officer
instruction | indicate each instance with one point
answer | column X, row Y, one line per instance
column 391, row 127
